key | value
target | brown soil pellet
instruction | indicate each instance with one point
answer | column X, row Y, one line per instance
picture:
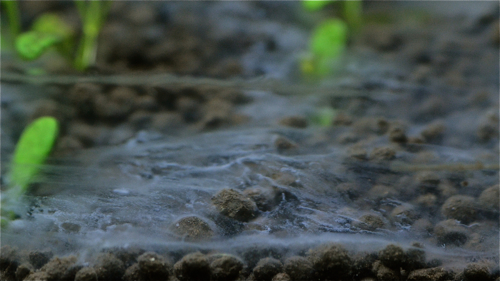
column 385, row 273
column 451, row 232
column 192, row 228
column 235, row 205
column 460, row 207
column 331, row 260
column 298, row 268
column 86, row 274
column 226, row 268
column 109, row 267
column 193, row 267
column 281, row 277
column 431, row 274
column 392, row 256
column 23, row 271
column 267, row 268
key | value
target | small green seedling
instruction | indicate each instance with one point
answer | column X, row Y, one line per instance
column 312, row 5
column 50, row 31
column 31, row 151
column 47, row 31
column 329, row 39
column 327, row 43
column 351, row 12
column 13, row 16
column 93, row 15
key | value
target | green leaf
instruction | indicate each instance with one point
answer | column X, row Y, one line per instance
column 314, row 5
column 32, row 44
column 52, row 23
column 31, row 151
column 353, row 14
column 329, row 39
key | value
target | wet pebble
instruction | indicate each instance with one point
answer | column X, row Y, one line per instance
column 385, row 273
column 433, row 133
column 281, row 277
column 431, row 274
column 109, row 267
column 382, row 154
column 282, row 143
column 404, row 214
column 392, row 256
column 450, row 232
column 39, row 258
column 371, row 222
column 477, row 271
column 9, row 261
column 489, row 199
column 357, row 153
column 226, row 268
column 192, row 228
column 263, row 198
column 415, row 257
column 86, row 274
column 397, row 134
column 331, row 260
column 57, row 269
column 151, row 266
column 235, row 205
column 23, row 271
column 193, row 267
column 298, row 268
column 460, row 207
column 267, row 268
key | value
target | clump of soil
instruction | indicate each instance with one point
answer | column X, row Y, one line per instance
column 235, row 205
column 226, row 268
column 331, row 260
column 193, row 267
column 192, row 228
column 460, row 207
column 149, row 266
column 298, row 268
column 267, row 268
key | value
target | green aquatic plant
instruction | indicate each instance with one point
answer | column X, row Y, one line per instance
column 31, row 151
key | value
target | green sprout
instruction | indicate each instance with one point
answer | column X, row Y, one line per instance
column 30, row 153
column 312, row 5
column 50, row 31
column 327, row 44
column 352, row 10
column 93, row 15
column 13, row 16
column 329, row 39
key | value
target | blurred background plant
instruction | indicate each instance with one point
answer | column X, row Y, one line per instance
column 329, row 39
column 50, row 31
